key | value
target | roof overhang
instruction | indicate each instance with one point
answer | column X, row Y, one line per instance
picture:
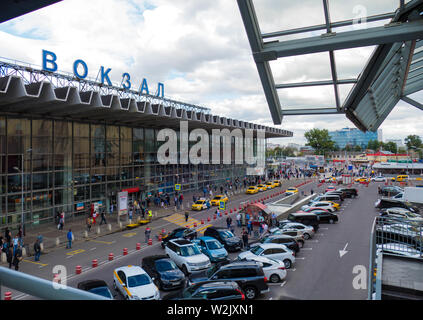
column 11, row 9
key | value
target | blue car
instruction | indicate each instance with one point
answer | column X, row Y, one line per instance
column 212, row 248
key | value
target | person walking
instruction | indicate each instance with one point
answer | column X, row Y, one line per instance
column 228, row 222
column 37, row 250
column 186, row 216
column 103, row 218
column 238, row 220
column 17, row 257
column 147, row 234
column 88, row 223
column 94, row 216
column 143, row 211
column 9, row 256
column 70, row 238
column 61, row 222
column 245, row 239
column 250, row 227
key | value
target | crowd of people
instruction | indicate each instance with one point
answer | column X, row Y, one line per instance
column 12, row 247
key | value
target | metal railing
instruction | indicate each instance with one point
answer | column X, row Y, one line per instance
column 395, row 236
column 42, row 288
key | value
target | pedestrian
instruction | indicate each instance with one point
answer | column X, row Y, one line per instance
column 265, row 228
column 228, row 222
column 250, row 227
column 238, row 220
column 61, row 223
column 20, row 236
column 312, row 192
column 94, row 216
column 15, row 243
column 186, row 216
column 112, row 208
column 103, row 218
column 274, row 221
column 37, row 250
column 8, row 235
column 17, row 257
column 143, row 211
column 245, row 239
column 147, row 234
column 9, row 256
column 181, row 199
column 70, row 238
column 89, row 224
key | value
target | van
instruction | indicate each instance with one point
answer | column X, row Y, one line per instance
column 331, row 197
column 306, row 218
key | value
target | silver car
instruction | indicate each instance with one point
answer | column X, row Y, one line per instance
column 306, row 231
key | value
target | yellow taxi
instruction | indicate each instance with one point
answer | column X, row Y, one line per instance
column 252, row 190
column 277, row 183
column 401, row 178
column 216, row 200
column 362, row 179
column 270, row 185
column 334, row 204
column 199, row 205
column 262, row 187
column 292, row 190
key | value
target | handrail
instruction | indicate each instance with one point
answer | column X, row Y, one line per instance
column 42, row 288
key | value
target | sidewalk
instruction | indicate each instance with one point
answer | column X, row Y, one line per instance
column 54, row 238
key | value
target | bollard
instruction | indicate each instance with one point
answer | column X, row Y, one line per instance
column 120, row 225
column 24, row 252
column 202, row 221
column 229, row 211
column 8, row 295
column 42, row 247
column 125, row 251
column 98, row 230
column 95, row 263
column 3, row 257
column 109, row 227
column 235, row 209
column 150, row 242
column 160, row 237
column 111, row 256
column 195, row 224
column 208, row 219
column 214, row 217
column 78, row 269
column 85, row 234
column 138, row 247
column 57, row 241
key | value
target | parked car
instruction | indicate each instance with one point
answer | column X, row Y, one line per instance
column 225, row 236
column 330, row 188
column 212, row 248
column 164, row 272
column 319, row 205
column 399, row 233
column 306, row 231
column 187, row 256
column 400, row 249
column 274, row 270
column 325, row 216
column 329, row 197
column 307, row 218
column 209, row 290
column 249, row 276
column 286, row 240
column 350, row 192
column 390, row 191
column 378, row 179
column 97, row 287
column 401, row 213
column 390, row 203
column 185, row 233
column 272, row 251
column 342, row 194
column 296, row 234
column 134, row 284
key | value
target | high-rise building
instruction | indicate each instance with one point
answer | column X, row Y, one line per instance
column 352, row 137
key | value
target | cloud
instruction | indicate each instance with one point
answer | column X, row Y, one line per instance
column 200, row 50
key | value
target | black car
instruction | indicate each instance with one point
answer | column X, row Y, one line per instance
column 249, row 276
column 326, row 217
column 209, row 290
column 350, row 192
column 390, row 191
column 390, row 203
column 306, row 218
column 164, row 272
column 97, row 287
column 286, row 240
column 341, row 194
column 186, row 233
column 226, row 237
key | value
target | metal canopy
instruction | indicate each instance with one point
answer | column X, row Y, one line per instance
column 12, row 8
column 394, row 71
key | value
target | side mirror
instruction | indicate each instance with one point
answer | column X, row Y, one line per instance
column 153, row 278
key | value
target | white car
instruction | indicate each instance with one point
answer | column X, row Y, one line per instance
column 135, row 284
column 400, row 249
column 272, row 251
column 274, row 270
column 404, row 230
column 187, row 256
column 319, row 204
column 306, row 231
column 378, row 179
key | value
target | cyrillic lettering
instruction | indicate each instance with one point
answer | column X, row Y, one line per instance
column 126, row 84
column 49, row 58
column 144, row 86
column 75, row 69
column 105, row 76
column 160, row 89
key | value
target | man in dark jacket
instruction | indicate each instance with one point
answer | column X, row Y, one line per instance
column 10, row 257
column 245, row 239
column 37, row 250
column 17, row 257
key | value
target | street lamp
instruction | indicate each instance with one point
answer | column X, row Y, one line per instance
column 22, row 190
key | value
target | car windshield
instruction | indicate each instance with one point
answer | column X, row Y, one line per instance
column 226, row 234
column 165, row 265
column 138, row 280
column 190, row 251
column 199, row 202
column 217, row 197
column 213, row 245
column 257, row 250
column 102, row 291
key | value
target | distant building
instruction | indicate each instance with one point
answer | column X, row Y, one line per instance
column 379, row 135
column 307, row 150
column 352, row 137
column 294, row 146
column 398, row 142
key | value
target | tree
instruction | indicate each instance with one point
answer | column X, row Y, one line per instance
column 319, row 140
column 357, row 148
column 390, row 146
column 402, row 150
column 413, row 141
column 373, row 145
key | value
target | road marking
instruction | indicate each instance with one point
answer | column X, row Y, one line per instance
column 92, row 249
column 39, row 263
column 306, row 249
column 129, row 235
column 302, row 258
column 291, row 269
column 106, row 242
column 283, row 283
column 75, row 252
column 313, row 240
column 320, row 234
column 324, row 228
column 271, row 298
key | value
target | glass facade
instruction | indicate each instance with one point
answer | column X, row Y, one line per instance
column 352, row 137
column 68, row 165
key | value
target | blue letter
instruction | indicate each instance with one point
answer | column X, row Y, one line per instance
column 52, row 60
column 75, row 69
column 126, row 84
column 105, row 75
column 144, row 86
column 160, row 88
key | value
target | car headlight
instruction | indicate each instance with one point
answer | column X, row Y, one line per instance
column 135, row 298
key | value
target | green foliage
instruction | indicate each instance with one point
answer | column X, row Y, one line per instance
column 319, row 140
column 413, row 141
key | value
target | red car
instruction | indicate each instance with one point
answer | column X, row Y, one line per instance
column 330, row 188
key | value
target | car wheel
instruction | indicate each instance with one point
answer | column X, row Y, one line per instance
column 185, row 270
column 306, row 236
column 288, row 263
column 250, row 293
column 274, row 278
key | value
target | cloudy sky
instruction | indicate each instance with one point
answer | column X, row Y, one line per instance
column 199, row 50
